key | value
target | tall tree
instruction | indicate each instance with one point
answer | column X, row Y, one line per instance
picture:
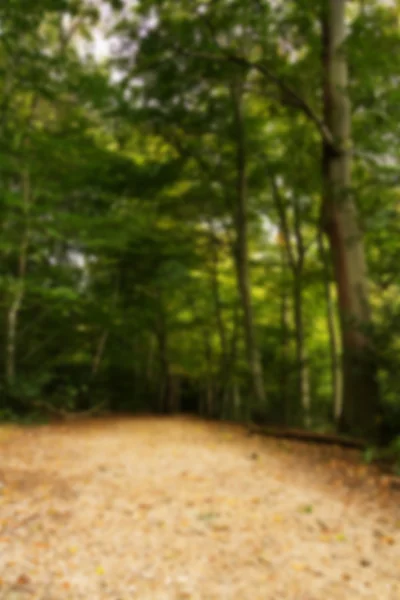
column 293, row 243
column 360, row 395
column 241, row 246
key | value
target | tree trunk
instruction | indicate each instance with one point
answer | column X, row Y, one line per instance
column 215, row 289
column 150, row 370
column 163, row 361
column 336, row 367
column 295, row 257
column 103, row 339
column 301, row 354
column 99, row 353
column 174, row 398
column 301, row 351
column 284, row 343
column 230, row 366
column 212, row 409
column 360, row 393
column 19, row 291
column 12, row 329
column 237, row 401
column 241, row 253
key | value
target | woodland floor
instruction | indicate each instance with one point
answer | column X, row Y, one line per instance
column 181, row 509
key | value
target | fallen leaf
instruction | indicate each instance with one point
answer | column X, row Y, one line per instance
column 23, row 580
column 365, row 562
column 388, row 539
column 265, row 557
column 184, row 523
column 307, row 509
column 207, row 516
column 323, row 525
column 298, row 566
column 220, row 527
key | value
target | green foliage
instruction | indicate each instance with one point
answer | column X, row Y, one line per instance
column 118, row 181
column 7, row 415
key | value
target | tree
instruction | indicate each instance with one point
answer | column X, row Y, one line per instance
column 360, row 399
column 241, row 246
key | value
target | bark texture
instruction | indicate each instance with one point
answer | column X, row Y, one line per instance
column 242, row 251
column 294, row 256
column 360, row 393
column 19, row 288
column 334, row 349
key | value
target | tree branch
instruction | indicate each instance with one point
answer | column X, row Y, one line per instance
column 298, row 100
column 284, row 223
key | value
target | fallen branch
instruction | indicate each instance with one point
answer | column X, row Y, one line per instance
column 66, row 415
column 308, row 436
column 91, row 412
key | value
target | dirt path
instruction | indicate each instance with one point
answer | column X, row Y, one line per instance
column 174, row 509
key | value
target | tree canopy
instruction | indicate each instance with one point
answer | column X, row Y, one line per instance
column 200, row 210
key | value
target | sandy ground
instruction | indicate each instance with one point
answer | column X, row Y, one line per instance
column 160, row 509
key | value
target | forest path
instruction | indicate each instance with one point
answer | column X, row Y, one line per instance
column 176, row 508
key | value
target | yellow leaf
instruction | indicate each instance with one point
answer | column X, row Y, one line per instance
column 220, row 527
column 265, row 557
column 389, row 540
column 100, row 570
column 233, row 501
column 41, row 545
column 341, row 537
column 73, row 549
